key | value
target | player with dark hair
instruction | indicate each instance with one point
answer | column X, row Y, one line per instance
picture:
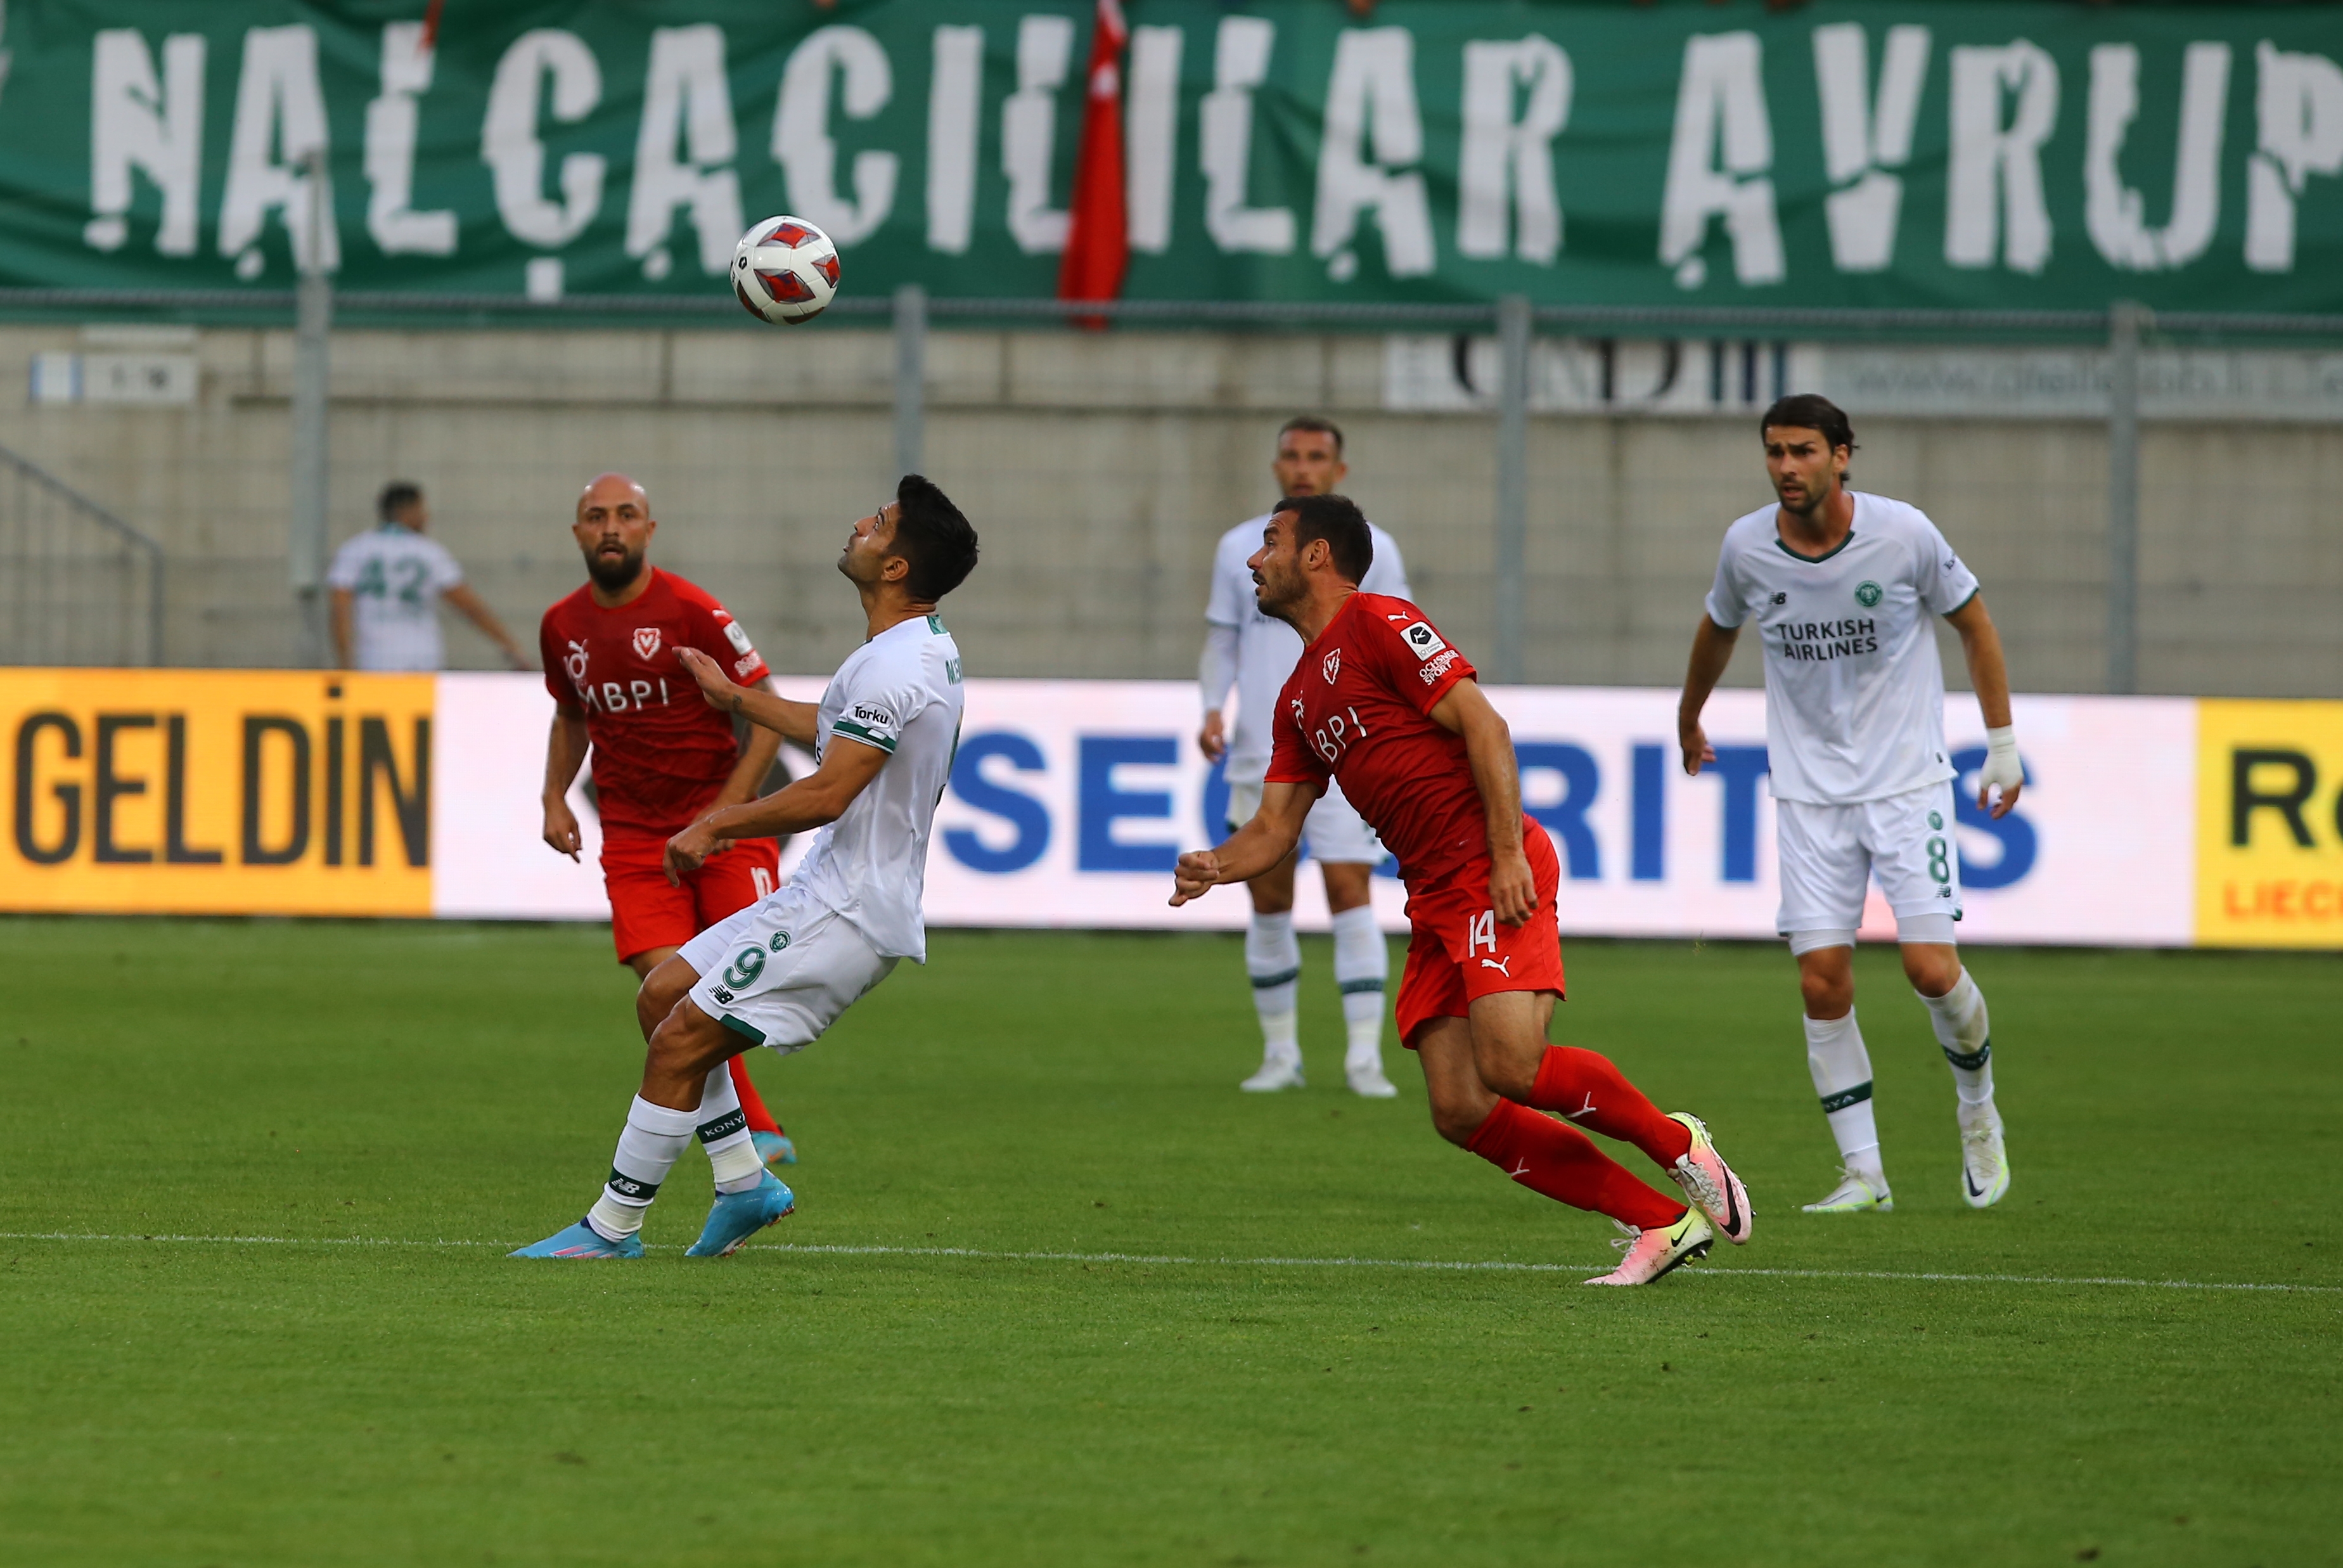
column 661, row 759
column 779, row 972
column 1382, row 702
column 384, row 587
column 1845, row 590
column 1252, row 654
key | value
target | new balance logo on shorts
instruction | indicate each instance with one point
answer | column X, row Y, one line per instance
column 719, row 993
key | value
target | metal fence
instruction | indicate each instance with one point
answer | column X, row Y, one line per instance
column 81, row 584
column 1525, row 563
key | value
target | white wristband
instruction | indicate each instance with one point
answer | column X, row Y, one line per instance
column 2001, row 769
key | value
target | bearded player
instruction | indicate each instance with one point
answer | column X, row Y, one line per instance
column 1383, row 704
column 780, row 972
column 1845, row 590
column 661, row 758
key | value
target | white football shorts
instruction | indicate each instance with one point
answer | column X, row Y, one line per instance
column 1828, row 852
column 781, row 971
column 1335, row 831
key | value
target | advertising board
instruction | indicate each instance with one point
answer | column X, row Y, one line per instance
column 2153, row 821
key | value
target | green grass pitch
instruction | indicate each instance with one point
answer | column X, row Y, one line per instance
column 898, row 1375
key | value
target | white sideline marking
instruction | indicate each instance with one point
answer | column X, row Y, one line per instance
column 1171, row 1261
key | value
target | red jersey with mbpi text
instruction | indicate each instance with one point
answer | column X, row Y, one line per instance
column 660, row 752
column 1357, row 709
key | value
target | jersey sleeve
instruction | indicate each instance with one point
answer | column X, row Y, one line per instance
column 715, row 633
column 1725, row 604
column 1943, row 579
column 1291, row 760
column 1388, row 574
column 1230, row 588
column 878, row 701
column 344, row 572
column 1414, row 661
column 447, row 571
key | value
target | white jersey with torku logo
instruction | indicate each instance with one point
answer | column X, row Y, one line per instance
column 395, row 577
column 1267, row 649
column 901, row 693
column 1854, row 694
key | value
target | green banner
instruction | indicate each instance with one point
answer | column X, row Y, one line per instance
column 2011, row 154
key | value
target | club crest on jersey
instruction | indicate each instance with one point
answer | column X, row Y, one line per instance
column 647, row 642
column 1331, row 665
column 1868, row 594
column 1423, row 640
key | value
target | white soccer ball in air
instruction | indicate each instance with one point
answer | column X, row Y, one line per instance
column 785, row 270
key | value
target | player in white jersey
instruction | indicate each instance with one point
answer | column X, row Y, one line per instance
column 780, row 971
column 385, row 586
column 1248, row 651
column 1845, row 588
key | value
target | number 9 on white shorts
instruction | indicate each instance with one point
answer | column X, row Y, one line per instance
column 781, row 971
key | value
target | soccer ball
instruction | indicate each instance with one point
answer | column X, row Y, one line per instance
column 785, row 270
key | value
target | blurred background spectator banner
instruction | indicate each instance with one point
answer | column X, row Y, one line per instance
column 2036, row 155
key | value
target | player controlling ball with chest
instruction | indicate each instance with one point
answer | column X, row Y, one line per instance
column 779, row 972
column 1384, row 704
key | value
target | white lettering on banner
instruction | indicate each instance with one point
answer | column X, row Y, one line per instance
column 686, row 101
column 1240, row 53
column 2114, row 212
column 1721, row 97
column 804, row 147
column 280, row 120
column 953, row 102
column 1502, row 151
column 1057, row 775
column 1993, row 194
column 1371, row 98
column 2298, row 114
column 1029, row 132
column 154, row 129
column 1153, row 120
column 390, row 124
column 515, row 154
column 1861, row 141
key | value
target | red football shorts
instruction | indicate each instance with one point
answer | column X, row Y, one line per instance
column 646, row 912
column 1458, row 950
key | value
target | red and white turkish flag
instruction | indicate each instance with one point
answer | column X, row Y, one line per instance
column 1098, row 239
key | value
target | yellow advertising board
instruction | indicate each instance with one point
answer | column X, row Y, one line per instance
column 2269, row 824
column 216, row 791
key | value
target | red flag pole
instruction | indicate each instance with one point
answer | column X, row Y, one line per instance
column 1098, row 232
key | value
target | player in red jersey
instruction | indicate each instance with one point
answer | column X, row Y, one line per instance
column 662, row 758
column 1382, row 702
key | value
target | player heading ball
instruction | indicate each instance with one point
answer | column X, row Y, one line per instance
column 779, row 972
column 1384, row 703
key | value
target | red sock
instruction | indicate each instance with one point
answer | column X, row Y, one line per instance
column 1584, row 1086
column 752, row 1105
column 1545, row 1156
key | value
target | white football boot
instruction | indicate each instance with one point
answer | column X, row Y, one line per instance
column 1652, row 1253
column 1365, row 1071
column 1277, row 1071
column 1985, row 1167
column 1855, row 1194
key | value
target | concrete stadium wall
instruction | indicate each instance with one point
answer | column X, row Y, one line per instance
column 1100, row 470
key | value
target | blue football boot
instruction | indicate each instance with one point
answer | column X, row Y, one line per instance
column 774, row 1147
column 581, row 1240
column 737, row 1216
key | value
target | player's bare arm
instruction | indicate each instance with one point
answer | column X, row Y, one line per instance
column 342, row 600
column 760, row 705
column 1489, row 748
column 565, row 753
column 1712, row 650
column 1212, row 741
column 814, row 801
column 476, row 610
column 1255, row 848
column 1989, row 679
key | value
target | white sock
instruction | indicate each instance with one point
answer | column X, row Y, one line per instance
column 652, row 1141
column 1273, row 961
column 1965, row 1032
column 1361, row 968
column 1842, row 1073
column 724, row 1133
